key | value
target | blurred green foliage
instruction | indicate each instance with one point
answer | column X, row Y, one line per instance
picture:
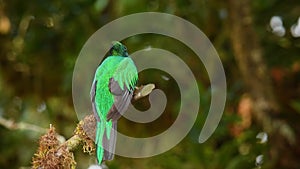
column 44, row 38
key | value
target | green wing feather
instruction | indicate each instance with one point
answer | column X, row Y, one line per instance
column 126, row 74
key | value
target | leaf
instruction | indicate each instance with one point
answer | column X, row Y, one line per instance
column 100, row 5
column 295, row 104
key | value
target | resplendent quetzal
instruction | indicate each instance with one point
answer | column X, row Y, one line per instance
column 111, row 93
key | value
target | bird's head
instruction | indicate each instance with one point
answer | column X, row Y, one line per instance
column 118, row 49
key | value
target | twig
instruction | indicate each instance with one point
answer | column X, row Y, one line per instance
column 12, row 125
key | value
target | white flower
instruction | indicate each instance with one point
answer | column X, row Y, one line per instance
column 279, row 31
column 275, row 21
column 263, row 137
column 295, row 30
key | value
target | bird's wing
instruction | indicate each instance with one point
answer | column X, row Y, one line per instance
column 121, row 85
column 114, row 87
column 122, row 100
column 126, row 74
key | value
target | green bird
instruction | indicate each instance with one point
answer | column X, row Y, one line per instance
column 111, row 93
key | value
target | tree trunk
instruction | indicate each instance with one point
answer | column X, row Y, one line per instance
column 249, row 56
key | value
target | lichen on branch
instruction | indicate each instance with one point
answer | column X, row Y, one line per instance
column 51, row 154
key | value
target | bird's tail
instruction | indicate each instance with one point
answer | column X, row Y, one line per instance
column 109, row 142
column 99, row 138
column 105, row 140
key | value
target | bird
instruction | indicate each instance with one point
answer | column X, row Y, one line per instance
column 111, row 93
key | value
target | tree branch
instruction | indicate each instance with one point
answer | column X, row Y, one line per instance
column 12, row 125
column 52, row 154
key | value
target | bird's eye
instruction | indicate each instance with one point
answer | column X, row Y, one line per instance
column 125, row 48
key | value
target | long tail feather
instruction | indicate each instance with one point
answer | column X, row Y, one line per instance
column 99, row 138
column 110, row 143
